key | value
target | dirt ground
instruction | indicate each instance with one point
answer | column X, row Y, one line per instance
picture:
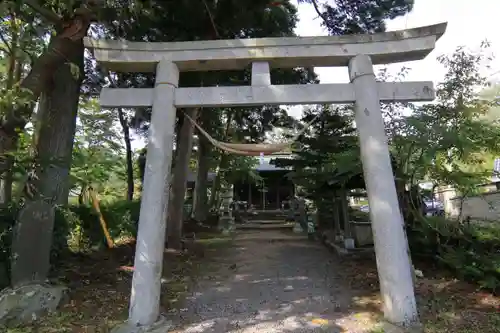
column 274, row 283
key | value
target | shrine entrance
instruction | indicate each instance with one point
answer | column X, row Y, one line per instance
column 268, row 193
column 358, row 52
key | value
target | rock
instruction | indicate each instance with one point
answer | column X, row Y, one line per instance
column 27, row 303
column 161, row 326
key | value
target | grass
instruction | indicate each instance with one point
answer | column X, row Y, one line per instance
column 100, row 287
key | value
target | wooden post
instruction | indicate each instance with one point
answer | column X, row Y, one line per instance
column 249, row 194
column 95, row 203
column 336, row 216
column 278, row 206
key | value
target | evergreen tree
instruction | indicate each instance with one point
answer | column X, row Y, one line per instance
column 342, row 17
column 320, row 156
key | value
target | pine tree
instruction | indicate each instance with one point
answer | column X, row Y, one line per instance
column 359, row 16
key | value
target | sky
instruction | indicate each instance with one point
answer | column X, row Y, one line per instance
column 469, row 23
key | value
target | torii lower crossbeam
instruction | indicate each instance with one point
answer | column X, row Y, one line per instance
column 268, row 95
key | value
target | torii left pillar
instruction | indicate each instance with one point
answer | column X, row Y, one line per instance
column 146, row 283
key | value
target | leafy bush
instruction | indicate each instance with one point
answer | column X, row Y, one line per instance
column 76, row 228
column 471, row 251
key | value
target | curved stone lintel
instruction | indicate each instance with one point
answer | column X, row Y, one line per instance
column 289, row 52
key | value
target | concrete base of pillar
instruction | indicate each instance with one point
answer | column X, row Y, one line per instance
column 161, row 326
column 391, row 328
column 349, row 243
column 228, row 231
column 297, row 228
column 227, row 225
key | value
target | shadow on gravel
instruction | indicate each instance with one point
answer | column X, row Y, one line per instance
column 273, row 286
column 299, row 286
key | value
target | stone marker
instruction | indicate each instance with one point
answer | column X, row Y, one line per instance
column 161, row 326
column 32, row 241
column 30, row 297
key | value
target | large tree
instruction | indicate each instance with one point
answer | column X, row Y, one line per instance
column 55, row 76
column 54, row 80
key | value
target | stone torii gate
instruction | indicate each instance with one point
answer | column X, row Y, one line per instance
column 358, row 52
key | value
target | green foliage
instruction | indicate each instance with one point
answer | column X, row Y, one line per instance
column 324, row 152
column 449, row 141
column 98, row 158
column 471, row 251
column 240, row 168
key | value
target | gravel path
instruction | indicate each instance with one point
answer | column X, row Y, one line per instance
column 270, row 286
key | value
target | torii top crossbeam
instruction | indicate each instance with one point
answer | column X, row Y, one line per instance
column 383, row 48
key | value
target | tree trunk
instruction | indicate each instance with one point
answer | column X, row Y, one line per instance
column 128, row 147
column 224, row 160
column 58, row 109
column 344, row 210
column 200, row 202
column 12, row 71
column 216, row 185
column 336, row 216
column 178, row 190
column 6, row 184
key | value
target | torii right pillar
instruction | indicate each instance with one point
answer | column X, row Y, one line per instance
column 391, row 247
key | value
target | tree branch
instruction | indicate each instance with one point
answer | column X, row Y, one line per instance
column 322, row 15
column 47, row 14
column 32, row 58
column 212, row 21
column 112, row 81
column 5, row 50
column 9, row 49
